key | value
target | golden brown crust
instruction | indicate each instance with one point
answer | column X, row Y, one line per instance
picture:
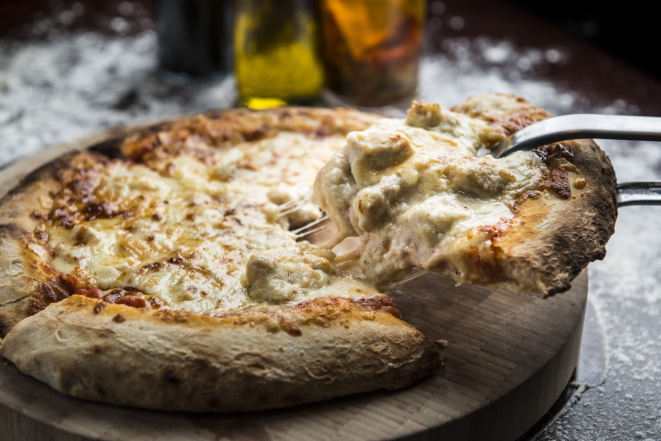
column 551, row 240
column 226, row 128
column 509, row 115
column 201, row 364
column 21, row 254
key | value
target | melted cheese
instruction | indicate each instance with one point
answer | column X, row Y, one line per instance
column 416, row 193
column 203, row 236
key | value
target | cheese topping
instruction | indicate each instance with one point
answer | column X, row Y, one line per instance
column 416, row 193
column 201, row 236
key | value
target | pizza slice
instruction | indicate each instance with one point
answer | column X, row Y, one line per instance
column 418, row 195
column 162, row 274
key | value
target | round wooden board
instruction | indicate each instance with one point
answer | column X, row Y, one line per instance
column 507, row 361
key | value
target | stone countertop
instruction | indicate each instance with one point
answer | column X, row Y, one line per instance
column 63, row 83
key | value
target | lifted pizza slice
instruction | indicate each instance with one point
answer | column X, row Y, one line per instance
column 417, row 194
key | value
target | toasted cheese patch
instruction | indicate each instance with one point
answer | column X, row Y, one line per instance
column 417, row 194
column 204, row 236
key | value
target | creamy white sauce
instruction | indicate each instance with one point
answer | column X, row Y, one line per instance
column 196, row 232
column 416, row 193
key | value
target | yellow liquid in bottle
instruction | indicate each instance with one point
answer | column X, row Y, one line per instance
column 277, row 55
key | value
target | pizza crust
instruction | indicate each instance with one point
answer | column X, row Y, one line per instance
column 555, row 242
column 20, row 253
column 181, row 361
column 550, row 241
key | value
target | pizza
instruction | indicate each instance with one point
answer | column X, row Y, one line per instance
column 418, row 195
column 166, row 268
column 162, row 269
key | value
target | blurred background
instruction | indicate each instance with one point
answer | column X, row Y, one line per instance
column 363, row 59
column 72, row 68
column 627, row 31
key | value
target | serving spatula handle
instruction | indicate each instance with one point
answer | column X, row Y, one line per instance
column 638, row 193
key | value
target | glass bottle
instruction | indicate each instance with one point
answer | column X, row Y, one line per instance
column 277, row 52
column 193, row 37
column 372, row 49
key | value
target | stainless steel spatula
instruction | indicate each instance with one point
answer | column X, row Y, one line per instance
column 582, row 126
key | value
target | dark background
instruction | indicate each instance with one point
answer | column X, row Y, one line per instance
column 628, row 30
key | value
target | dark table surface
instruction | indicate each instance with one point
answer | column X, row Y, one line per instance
column 60, row 80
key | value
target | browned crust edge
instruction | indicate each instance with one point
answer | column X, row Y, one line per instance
column 551, row 241
column 201, row 364
column 21, row 254
column 228, row 127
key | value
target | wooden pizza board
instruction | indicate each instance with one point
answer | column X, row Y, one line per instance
column 507, row 360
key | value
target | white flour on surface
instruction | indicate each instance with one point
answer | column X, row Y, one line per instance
column 78, row 83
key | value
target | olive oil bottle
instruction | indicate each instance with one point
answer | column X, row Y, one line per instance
column 277, row 52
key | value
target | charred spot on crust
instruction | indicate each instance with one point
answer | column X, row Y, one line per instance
column 35, row 305
column 291, row 328
column 99, row 307
column 109, row 148
column 557, row 181
column 556, row 178
column 551, row 153
column 530, row 194
column 11, row 230
column 4, row 328
column 512, row 125
column 256, row 134
column 384, row 303
column 119, row 318
column 170, row 377
column 54, row 288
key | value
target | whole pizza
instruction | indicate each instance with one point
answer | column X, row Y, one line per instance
column 167, row 268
